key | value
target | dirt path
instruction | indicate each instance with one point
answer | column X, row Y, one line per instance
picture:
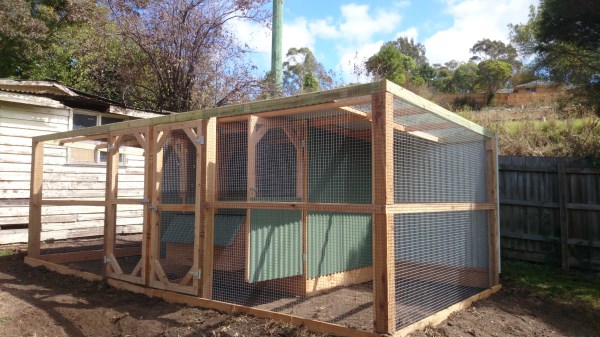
column 36, row 302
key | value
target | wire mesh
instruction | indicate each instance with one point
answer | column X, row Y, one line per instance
column 176, row 231
column 313, row 264
column 440, row 259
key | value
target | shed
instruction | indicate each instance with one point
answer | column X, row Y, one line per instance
column 34, row 108
column 361, row 211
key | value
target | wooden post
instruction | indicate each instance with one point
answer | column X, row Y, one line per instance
column 209, row 194
column 110, row 208
column 493, row 226
column 148, row 194
column 383, row 224
column 564, row 220
column 154, row 216
column 35, row 199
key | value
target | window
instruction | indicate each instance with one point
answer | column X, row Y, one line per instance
column 85, row 120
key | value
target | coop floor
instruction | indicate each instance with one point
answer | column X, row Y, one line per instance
column 350, row 306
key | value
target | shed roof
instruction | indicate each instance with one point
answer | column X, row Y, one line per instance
column 71, row 97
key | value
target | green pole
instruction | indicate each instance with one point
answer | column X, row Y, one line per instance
column 276, row 52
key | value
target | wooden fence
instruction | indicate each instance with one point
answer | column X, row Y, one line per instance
column 550, row 210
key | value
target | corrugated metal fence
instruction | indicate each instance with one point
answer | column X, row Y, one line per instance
column 550, row 210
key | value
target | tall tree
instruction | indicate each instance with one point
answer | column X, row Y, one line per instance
column 562, row 39
column 465, row 78
column 412, row 49
column 29, row 27
column 391, row 64
column 496, row 50
column 492, row 75
column 192, row 58
column 303, row 73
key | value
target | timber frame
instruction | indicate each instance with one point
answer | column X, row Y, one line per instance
column 201, row 128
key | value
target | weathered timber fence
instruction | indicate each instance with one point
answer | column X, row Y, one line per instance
column 550, row 210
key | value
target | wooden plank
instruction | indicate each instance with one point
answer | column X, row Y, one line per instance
column 110, row 217
column 35, row 199
column 33, row 262
column 176, row 207
column 437, row 207
column 342, row 105
column 149, row 167
column 383, row 224
column 303, row 100
column 153, row 254
column 493, row 225
column 88, row 255
column 209, row 193
column 345, row 278
column 420, row 102
column 442, row 315
column 563, row 191
column 299, row 206
column 72, row 202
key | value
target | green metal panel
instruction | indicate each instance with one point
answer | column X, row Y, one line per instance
column 339, row 168
column 275, row 244
column 338, row 242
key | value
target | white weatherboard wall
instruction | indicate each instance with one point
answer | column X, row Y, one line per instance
column 25, row 116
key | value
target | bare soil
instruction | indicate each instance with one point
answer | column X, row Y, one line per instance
column 37, row 302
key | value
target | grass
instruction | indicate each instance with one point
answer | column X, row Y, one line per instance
column 581, row 289
column 7, row 252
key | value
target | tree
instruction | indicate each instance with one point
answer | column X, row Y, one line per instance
column 412, row 49
column 391, row 64
column 492, row 75
column 496, row 50
column 562, row 41
column 465, row 78
column 303, row 73
column 192, row 60
column 29, row 27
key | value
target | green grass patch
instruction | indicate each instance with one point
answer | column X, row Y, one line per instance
column 574, row 287
column 4, row 320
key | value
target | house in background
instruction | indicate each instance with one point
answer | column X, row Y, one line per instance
column 538, row 86
column 33, row 108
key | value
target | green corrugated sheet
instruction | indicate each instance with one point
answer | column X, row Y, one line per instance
column 275, row 244
column 338, row 242
column 181, row 229
column 339, row 169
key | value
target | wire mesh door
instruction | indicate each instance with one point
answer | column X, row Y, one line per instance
column 127, row 194
column 175, row 257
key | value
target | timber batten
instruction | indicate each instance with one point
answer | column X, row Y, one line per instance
column 266, row 207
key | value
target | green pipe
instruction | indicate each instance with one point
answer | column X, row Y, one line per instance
column 276, row 52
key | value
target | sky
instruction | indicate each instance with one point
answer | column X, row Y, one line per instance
column 343, row 33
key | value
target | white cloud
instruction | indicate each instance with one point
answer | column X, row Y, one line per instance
column 411, row 33
column 474, row 20
column 358, row 24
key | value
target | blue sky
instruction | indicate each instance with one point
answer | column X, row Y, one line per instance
column 342, row 33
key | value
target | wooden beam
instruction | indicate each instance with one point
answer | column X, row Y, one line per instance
column 88, row 255
column 110, row 210
column 304, row 100
column 149, row 152
column 94, row 137
column 357, row 112
column 299, row 206
column 176, row 207
column 437, row 207
column 35, row 199
column 64, row 270
column 420, row 102
column 345, row 278
column 383, row 224
column 306, row 109
column 442, row 315
column 157, row 141
column 73, row 202
column 209, row 194
column 419, row 134
column 493, row 215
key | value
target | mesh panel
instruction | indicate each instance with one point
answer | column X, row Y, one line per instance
column 178, row 185
column 311, row 264
column 441, row 259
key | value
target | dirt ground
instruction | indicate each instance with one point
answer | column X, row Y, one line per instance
column 36, row 302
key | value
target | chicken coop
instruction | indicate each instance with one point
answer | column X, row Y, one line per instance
column 360, row 211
